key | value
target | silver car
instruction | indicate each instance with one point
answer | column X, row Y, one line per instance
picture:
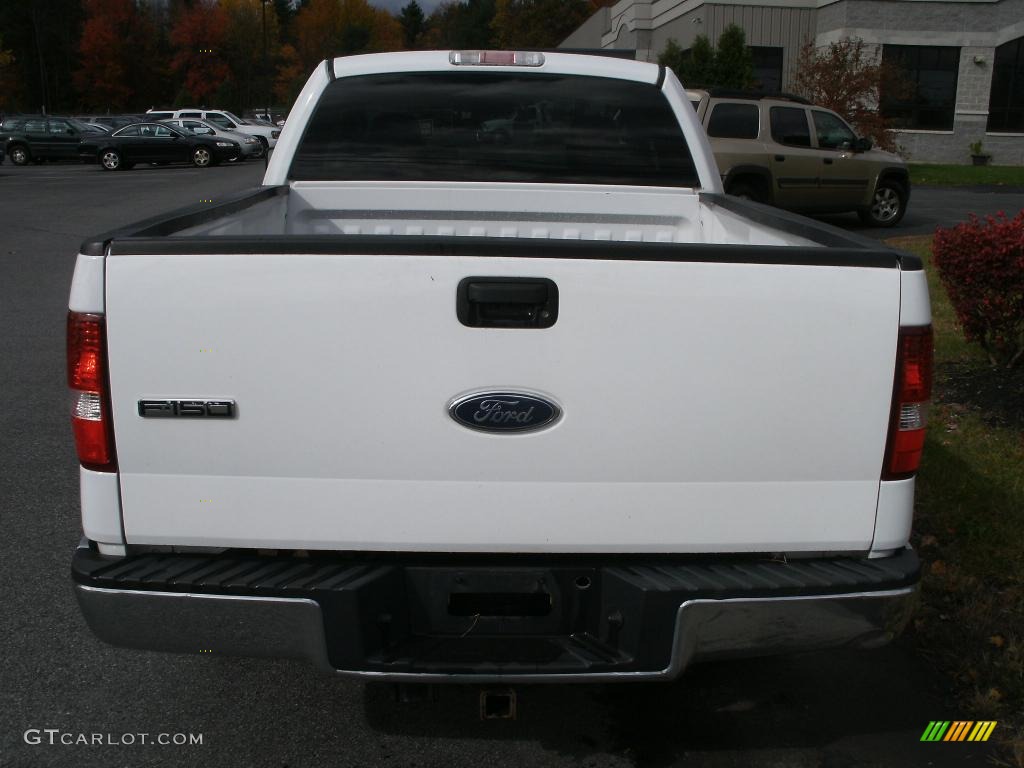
column 250, row 145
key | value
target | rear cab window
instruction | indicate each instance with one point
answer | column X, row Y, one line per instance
column 789, row 126
column 734, row 121
column 494, row 126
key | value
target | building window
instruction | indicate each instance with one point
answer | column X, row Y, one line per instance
column 767, row 68
column 927, row 99
column 1006, row 100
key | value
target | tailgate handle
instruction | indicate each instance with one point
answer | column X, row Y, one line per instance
column 507, row 302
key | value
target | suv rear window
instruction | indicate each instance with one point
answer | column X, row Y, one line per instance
column 789, row 126
column 734, row 121
column 494, row 126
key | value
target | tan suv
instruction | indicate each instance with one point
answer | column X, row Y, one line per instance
column 782, row 150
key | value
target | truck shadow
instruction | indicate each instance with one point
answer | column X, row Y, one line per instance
column 855, row 707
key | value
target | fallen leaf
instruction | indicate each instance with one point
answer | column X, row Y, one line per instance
column 929, row 541
column 997, row 640
column 994, row 694
column 939, row 567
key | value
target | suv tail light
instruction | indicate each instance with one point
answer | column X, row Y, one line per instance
column 912, row 392
column 90, row 391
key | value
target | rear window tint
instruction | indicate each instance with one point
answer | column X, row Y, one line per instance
column 494, row 126
column 734, row 121
column 789, row 126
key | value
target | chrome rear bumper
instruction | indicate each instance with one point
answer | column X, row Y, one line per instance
column 352, row 629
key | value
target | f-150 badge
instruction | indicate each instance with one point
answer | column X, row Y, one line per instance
column 504, row 411
column 187, row 409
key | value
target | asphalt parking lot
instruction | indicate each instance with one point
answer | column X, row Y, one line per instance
column 831, row 709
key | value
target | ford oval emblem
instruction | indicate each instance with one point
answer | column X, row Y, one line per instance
column 504, row 411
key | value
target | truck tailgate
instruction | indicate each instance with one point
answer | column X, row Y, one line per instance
column 705, row 406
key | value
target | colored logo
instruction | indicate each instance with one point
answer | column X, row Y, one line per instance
column 958, row 730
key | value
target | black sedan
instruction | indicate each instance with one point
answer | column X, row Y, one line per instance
column 157, row 143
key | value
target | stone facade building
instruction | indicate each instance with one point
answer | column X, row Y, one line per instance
column 964, row 59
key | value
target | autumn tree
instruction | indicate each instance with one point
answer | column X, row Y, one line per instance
column 328, row 28
column 536, row 23
column 291, row 75
column 847, row 77
column 198, row 37
column 456, row 24
column 315, row 27
column 412, row 20
column 119, row 63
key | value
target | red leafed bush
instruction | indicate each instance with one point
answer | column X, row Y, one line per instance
column 981, row 264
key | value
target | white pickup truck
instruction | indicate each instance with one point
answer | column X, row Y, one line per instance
column 425, row 407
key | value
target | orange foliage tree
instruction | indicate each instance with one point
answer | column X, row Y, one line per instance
column 537, row 23
column 118, row 55
column 198, row 37
column 327, row 28
column 848, row 77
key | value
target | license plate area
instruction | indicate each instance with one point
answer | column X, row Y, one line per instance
column 499, row 604
column 502, row 601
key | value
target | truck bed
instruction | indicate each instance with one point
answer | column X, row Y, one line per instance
column 325, row 216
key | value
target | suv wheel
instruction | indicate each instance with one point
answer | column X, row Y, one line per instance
column 19, row 155
column 887, row 206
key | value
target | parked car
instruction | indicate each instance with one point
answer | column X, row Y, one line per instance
column 250, row 146
column 156, row 143
column 34, row 138
column 266, row 134
column 781, row 149
column 271, row 118
column 112, row 122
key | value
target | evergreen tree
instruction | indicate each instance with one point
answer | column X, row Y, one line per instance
column 733, row 63
column 699, row 68
column 412, row 19
column 695, row 67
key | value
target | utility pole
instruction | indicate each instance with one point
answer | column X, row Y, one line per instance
column 266, row 69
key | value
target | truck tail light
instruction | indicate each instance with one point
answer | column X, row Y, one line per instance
column 90, row 391
column 496, row 58
column 912, row 392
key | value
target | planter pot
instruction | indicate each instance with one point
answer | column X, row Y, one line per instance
column 981, row 159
